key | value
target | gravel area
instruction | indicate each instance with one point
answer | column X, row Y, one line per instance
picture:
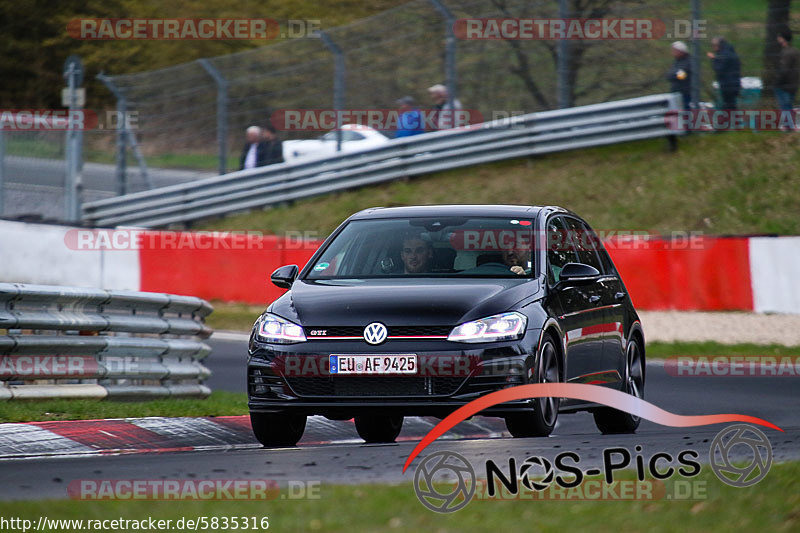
column 726, row 328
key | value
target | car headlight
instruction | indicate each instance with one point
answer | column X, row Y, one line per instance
column 502, row 327
column 277, row 330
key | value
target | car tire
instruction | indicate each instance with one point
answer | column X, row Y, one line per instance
column 612, row 421
column 378, row 429
column 278, row 429
column 541, row 421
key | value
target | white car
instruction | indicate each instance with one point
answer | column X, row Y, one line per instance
column 355, row 137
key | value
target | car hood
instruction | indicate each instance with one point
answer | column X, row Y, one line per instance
column 401, row 302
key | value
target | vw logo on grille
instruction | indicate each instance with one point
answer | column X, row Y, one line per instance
column 375, row 333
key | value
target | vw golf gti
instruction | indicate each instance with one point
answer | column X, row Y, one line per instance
column 418, row 310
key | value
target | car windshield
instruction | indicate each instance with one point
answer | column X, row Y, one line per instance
column 428, row 247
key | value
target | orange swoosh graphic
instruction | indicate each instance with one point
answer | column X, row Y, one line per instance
column 590, row 393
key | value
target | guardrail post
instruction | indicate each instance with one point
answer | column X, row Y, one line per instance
column 564, row 89
column 73, row 184
column 449, row 53
column 222, row 113
column 695, row 81
column 2, row 168
column 338, row 83
column 122, row 132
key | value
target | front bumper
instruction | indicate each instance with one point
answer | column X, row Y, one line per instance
column 295, row 378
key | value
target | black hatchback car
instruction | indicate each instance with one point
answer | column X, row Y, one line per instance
column 418, row 310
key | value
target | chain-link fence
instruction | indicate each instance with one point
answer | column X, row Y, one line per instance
column 193, row 115
column 402, row 52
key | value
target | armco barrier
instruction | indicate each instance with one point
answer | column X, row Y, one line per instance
column 68, row 342
column 633, row 119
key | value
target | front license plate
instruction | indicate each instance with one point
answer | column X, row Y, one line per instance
column 374, row 364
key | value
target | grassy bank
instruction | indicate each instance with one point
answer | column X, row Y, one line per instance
column 735, row 183
column 771, row 505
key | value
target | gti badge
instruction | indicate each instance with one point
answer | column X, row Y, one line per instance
column 375, row 333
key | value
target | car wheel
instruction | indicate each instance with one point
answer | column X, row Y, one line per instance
column 375, row 429
column 541, row 421
column 278, row 429
column 611, row 421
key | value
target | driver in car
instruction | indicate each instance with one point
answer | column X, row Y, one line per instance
column 416, row 254
column 518, row 260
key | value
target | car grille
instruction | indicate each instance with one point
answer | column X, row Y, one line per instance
column 394, row 331
column 369, row 386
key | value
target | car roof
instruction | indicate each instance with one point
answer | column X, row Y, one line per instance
column 522, row 211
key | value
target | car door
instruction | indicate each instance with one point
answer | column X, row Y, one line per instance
column 581, row 306
column 588, row 246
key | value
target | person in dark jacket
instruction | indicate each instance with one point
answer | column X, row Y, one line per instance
column 727, row 67
column 253, row 152
column 261, row 149
column 273, row 152
column 788, row 72
column 680, row 75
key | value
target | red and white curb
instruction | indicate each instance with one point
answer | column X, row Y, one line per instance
column 163, row 435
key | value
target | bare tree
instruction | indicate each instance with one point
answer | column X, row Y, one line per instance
column 577, row 50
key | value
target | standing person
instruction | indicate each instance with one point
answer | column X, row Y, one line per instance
column 680, row 75
column 410, row 120
column 254, row 150
column 788, row 75
column 273, row 147
column 727, row 67
column 445, row 117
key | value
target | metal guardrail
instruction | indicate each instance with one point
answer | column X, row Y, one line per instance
column 520, row 136
column 66, row 342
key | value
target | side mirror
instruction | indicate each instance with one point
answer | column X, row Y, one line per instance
column 284, row 276
column 577, row 272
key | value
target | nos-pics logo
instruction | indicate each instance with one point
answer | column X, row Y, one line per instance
column 434, row 476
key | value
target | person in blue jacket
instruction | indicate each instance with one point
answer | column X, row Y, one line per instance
column 727, row 67
column 410, row 121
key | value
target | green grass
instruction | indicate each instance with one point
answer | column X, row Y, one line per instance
column 771, row 505
column 734, row 183
column 662, row 350
column 53, row 148
column 218, row 404
column 233, row 316
column 166, row 160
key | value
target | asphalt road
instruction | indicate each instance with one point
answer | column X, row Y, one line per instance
column 344, row 461
column 34, row 186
